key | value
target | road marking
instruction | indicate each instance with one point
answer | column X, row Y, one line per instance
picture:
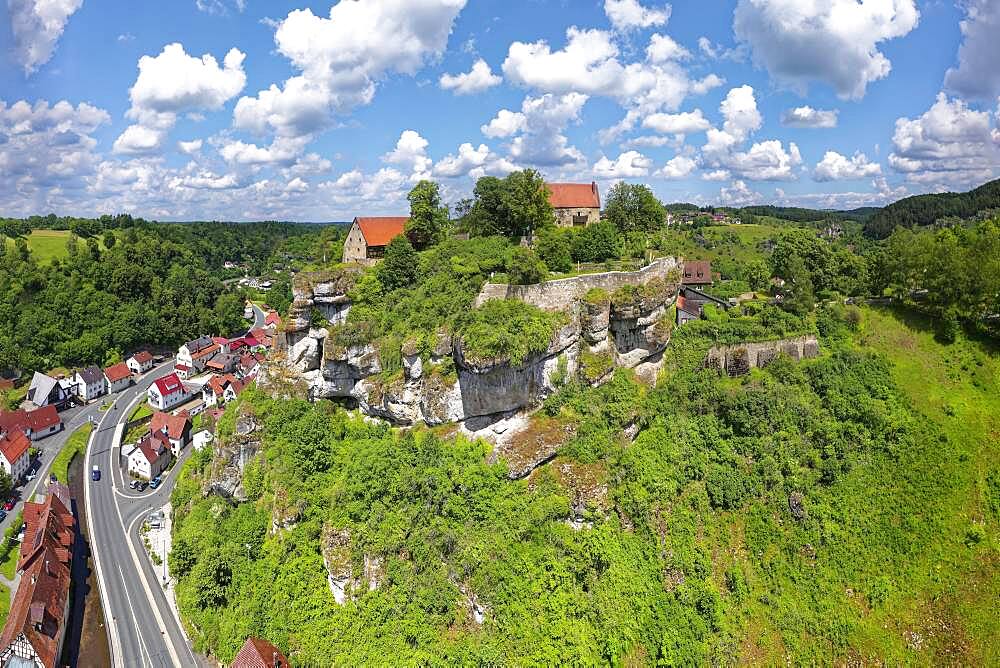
column 142, row 643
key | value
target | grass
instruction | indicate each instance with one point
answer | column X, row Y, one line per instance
column 75, row 445
column 5, row 596
column 9, row 564
column 141, row 411
column 727, row 246
column 48, row 245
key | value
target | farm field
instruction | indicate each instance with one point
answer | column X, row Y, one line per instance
column 48, row 245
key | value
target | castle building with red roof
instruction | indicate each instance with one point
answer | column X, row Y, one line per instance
column 575, row 204
column 368, row 237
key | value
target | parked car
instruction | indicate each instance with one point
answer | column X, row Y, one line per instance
column 140, row 485
column 3, row 515
column 154, row 483
column 95, row 474
column 31, row 476
column 8, row 505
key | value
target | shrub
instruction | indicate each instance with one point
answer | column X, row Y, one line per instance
column 525, row 267
column 554, row 249
column 507, row 330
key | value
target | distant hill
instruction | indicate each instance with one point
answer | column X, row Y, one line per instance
column 799, row 215
column 924, row 210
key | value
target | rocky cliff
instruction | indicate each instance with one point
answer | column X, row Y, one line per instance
column 616, row 319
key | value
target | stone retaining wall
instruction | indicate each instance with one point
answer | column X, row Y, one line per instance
column 556, row 295
column 738, row 359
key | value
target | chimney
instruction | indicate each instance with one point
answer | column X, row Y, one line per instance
column 274, row 660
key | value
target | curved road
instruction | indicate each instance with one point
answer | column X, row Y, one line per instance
column 142, row 625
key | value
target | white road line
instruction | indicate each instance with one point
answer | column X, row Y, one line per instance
column 142, row 643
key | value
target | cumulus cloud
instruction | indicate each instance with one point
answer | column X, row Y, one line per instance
column 835, row 41
column 950, row 145
column 282, row 151
column 684, row 123
column 342, row 58
column 630, row 164
column 172, row 83
column 663, row 48
column 36, row 26
column 678, row 167
column 537, row 129
column 977, row 75
column 478, row 79
column 472, row 161
column 411, row 154
column 807, row 117
column 505, row 124
column 836, row 167
column 382, row 192
column 189, row 147
column 630, row 15
column 739, row 194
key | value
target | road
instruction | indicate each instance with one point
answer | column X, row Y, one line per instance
column 143, row 628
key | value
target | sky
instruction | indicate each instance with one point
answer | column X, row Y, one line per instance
column 322, row 111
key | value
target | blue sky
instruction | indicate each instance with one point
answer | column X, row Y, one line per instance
column 244, row 110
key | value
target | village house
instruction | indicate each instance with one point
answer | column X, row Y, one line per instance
column 89, row 383
column 14, row 456
column 166, row 392
column 697, row 272
column 39, row 611
column 141, row 362
column 47, row 391
column 177, row 429
column 248, row 365
column 194, row 355
column 223, row 363
column 118, row 377
column 150, row 457
column 691, row 304
column 272, row 321
column 575, row 204
column 257, row 653
column 220, row 390
column 368, row 237
column 36, row 424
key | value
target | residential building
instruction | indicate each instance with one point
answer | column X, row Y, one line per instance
column 36, row 424
column 257, row 653
column 118, row 377
column 39, row 611
column 14, row 457
column 193, row 355
column 167, row 392
column 575, row 204
column 248, row 310
column 89, row 383
column 177, row 429
column 691, row 304
column 47, row 391
column 697, row 272
column 141, row 362
column 368, row 237
column 214, row 391
column 150, row 457
column 248, row 365
column 272, row 321
column 223, row 363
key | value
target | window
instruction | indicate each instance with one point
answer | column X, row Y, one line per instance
column 580, row 220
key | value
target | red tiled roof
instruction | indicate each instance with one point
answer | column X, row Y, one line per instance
column 142, row 357
column 154, row 446
column 220, row 340
column 117, row 372
column 574, row 195
column 182, row 367
column 204, row 352
column 43, row 418
column 251, row 341
column 173, row 425
column 380, row 230
column 15, row 420
column 169, row 384
column 697, row 272
column 272, row 318
column 257, row 653
column 14, row 445
column 38, row 608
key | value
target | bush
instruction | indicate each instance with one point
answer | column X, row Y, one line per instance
column 507, row 330
column 554, row 248
column 948, row 327
column 525, row 268
column 596, row 243
column 399, row 268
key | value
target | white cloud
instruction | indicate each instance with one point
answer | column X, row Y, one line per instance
column 296, row 185
column 651, row 141
column 705, row 46
column 478, row 79
column 833, row 41
column 630, row 164
column 717, row 175
column 282, row 151
column 207, row 180
column 740, row 112
column 342, row 58
column 36, row 26
column 630, row 15
column 678, row 167
column 410, row 153
column 807, row 117
column 950, row 145
column 977, row 75
column 765, row 161
column 739, row 194
column 684, row 123
column 219, row 7
column 126, row 37
column 472, row 161
column 663, row 48
column 836, row 167
column 189, row 147
column 505, row 124
column 172, row 83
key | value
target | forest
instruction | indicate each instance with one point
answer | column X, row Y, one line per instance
column 924, row 210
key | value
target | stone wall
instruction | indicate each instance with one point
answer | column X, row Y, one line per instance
column 738, row 359
column 557, row 295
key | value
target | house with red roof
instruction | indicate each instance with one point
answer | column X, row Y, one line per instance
column 257, row 653
column 575, row 204
column 368, row 237
column 272, row 320
column 39, row 611
column 221, row 389
column 150, row 457
column 177, row 428
column 141, row 362
column 118, row 377
column 36, row 424
column 167, row 392
column 14, row 457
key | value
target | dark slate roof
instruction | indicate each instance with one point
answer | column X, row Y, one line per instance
column 91, row 374
column 200, row 343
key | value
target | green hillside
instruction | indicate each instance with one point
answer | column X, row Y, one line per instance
column 924, row 210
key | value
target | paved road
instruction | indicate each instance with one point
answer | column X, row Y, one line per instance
column 143, row 629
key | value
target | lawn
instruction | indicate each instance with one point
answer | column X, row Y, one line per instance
column 8, row 566
column 48, row 245
column 5, row 595
column 141, row 411
column 75, row 445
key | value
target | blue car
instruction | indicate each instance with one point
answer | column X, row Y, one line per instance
column 154, row 483
column 3, row 515
column 95, row 474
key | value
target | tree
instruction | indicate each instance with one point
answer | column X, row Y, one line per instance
column 93, row 248
column 109, row 239
column 757, row 274
column 633, row 206
column 6, row 484
column 525, row 267
column 428, row 219
column 182, row 557
column 799, row 297
column 553, row 247
column 511, row 206
column 596, row 243
column 399, row 268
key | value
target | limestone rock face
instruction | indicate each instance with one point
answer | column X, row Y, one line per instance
column 617, row 319
column 738, row 359
column 225, row 476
